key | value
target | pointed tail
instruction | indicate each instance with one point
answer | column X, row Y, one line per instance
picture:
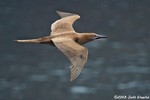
column 29, row 41
column 38, row 40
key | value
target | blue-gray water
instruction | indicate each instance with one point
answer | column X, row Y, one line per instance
column 117, row 66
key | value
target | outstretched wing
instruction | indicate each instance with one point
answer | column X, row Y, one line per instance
column 76, row 53
column 64, row 14
column 64, row 24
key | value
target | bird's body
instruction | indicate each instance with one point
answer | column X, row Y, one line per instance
column 68, row 41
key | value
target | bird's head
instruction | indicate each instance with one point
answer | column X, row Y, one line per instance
column 87, row 37
column 94, row 36
column 97, row 36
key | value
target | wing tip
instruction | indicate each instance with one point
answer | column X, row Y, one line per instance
column 65, row 14
column 72, row 79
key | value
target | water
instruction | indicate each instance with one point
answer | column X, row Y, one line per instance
column 117, row 66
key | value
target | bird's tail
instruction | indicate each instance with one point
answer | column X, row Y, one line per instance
column 38, row 40
column 29, row 41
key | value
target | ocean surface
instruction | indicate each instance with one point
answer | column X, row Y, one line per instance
column 117, row 68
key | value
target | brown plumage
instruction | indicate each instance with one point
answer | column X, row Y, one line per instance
column 69, row 42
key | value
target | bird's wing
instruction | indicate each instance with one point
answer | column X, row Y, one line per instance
column 76, row 53
column 64, row 14
column 64, row 24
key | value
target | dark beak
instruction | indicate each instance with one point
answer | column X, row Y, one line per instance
column 100, row 37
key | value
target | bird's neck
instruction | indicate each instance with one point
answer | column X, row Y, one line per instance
column 83, row 38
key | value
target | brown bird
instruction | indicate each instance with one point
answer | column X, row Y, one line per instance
column 68, row 41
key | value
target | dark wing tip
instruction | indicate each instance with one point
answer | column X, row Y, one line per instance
column 64, row 14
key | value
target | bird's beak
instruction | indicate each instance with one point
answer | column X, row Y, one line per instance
column 100, row 37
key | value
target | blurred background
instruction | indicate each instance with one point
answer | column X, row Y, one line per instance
column 117, row 66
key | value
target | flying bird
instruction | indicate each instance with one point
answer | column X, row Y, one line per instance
column 68, row 41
